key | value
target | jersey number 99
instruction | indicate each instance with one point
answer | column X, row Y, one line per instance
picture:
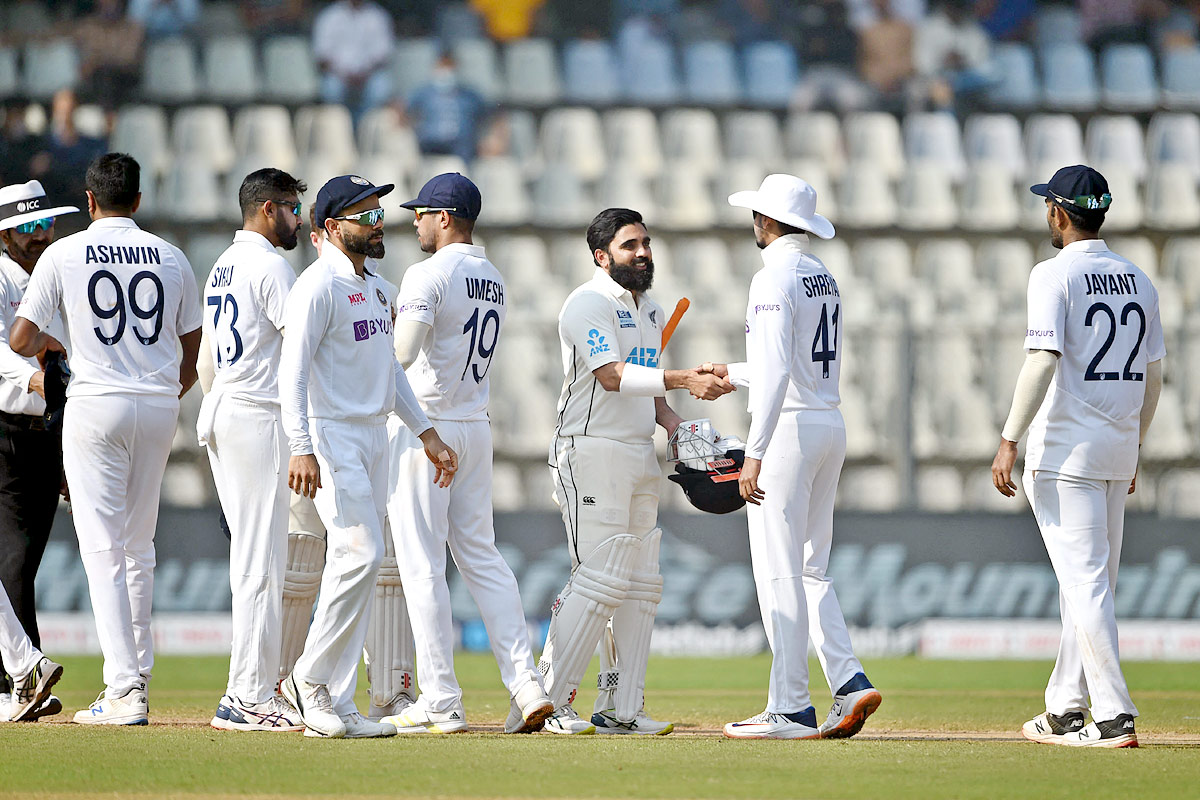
column 120, row 308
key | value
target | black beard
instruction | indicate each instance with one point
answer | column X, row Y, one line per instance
column 632, row 278
column 364, row 246
column 26, row 255
column 287, row 240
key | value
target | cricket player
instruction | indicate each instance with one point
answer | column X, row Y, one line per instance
column 31, row 462
column 794, row 455
column 451, row 312
column 606, row 477
column 239, row 422
column 338, row 378
column 1086, row 393
column 130, row 305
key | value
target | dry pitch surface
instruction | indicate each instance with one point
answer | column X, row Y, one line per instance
column 945, row 729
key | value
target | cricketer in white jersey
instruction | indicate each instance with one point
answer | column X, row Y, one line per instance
column 129, row 302
column 1086, row 394
column 338, row 379
column 451, row 312
column 33, row 674
column 795, row 449
column 240, row 424
column 606, row 477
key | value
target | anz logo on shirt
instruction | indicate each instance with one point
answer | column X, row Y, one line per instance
column 643, row 356
column 366, row 328
column 625, row 318
column 599, row 345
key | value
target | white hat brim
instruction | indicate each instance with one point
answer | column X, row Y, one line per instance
column 816, row 224
column 21, row 219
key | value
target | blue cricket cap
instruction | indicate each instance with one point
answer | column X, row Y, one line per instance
column 450, row 191
column 342, row 192
column 1078, row 186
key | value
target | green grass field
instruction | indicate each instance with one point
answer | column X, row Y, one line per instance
column 945, row 729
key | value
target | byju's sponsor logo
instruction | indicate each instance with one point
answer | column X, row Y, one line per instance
column 362, row 330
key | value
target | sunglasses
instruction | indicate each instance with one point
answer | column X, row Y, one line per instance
column 372, row 217
column 45, row 224
column 294, row 208
column 423, row 210
column 1087, row 201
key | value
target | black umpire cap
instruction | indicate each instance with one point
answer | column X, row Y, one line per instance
column 342, row 192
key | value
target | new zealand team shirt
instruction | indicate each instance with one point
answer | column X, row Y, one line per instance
column 126, row 296
column 793, row 341
column 600, row 324
column 337, row 361
column 1101, row 313
column 461, row 294
column 244, row 299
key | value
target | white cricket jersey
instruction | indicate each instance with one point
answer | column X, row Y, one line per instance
column 461, row 294
column 793, row 341
column 16, row 370
column 244, row 298
column 337, row 361
column 1101, row 313
column 600, row 324
column 126, row 296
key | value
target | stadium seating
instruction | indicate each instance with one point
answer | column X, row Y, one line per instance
column 49, row 66
column 412, row 64
column 478, row 66
column 590, row 72
column 771, row 72
column 1020, row 89
column 1116, row 142
column 1069, row 77
column 1128, row 77
column 231, row 73
column 1181, row 78
column 531, row 71
column 169, row 72
column 711, row 74
column 289, row 70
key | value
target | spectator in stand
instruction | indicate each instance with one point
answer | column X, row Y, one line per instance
column 827, row 51
column 863, row 14
column 110, row 53
column 163, row 18
column 749, row 20
column 507, row 19
column 446, row 115
column 1106, row 22
column 1005, row 20
column 952, row 56
column 273, row 17
column 1179, row 27
column 17, row 144
column 885, row 55
column 353, row 44
column 61, row 159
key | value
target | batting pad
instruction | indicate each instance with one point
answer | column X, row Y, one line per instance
column 596, row 589
column 301, row 581
column 390, row 651
column 632, row 626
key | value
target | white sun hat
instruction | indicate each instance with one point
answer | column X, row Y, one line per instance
column 786, row 199
column 26, row 202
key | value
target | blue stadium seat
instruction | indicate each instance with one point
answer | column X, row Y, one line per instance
column 531, row 72
column 1020, row 88
column 710, row 72
column 1069, row 77
column 290, row 70
column 478, row 67
column 648, row 74
column 412, row 64
column 50, row 66
column 1128, row 75
column 9, row 74
column 1057, row 24
column 1181, row 78
column 230, row 69
column 771, row 73
column 169, row 71
column 589, row 71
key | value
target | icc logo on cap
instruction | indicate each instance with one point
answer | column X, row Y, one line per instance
column 29, row 205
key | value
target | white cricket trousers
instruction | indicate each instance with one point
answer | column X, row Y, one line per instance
column 115, row 450
column 353, row 456
column 1082, row 521
column 16, row 649
column 248, row 452
column 791, row 534
column 424, row 519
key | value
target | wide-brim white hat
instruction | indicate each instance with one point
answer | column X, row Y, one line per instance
column 786, row 199
column 26, row 202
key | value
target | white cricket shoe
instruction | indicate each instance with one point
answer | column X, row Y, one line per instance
column 418, row 718
column 565, row 720
column 315, row 707
column 767, row 725
column 607, row 722
column 359, row 727
column 1047, row 728
column 275, row 715
column 30, row 691
column 130, row 709
column 529, row 709
column 398, row 706
column 1116, row 732
column 852, row 704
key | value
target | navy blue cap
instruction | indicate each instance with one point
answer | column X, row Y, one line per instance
column 342, row 192
column 451, row 191
column 1078, row 186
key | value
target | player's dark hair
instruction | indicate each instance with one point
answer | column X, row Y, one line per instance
column 267, row 184
column 114, row 179
column 1088, row 222
column 605, row 226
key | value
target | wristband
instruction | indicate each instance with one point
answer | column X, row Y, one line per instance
column 643, row 381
